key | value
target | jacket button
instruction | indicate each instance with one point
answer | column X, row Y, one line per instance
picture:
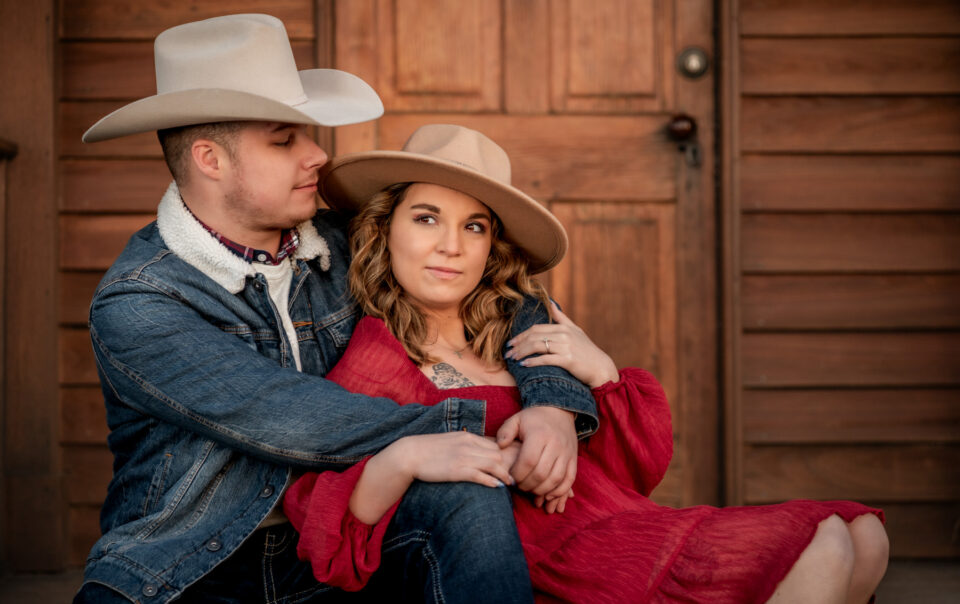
column 266, row 492
column 149, row 590
column 258, row 286
column 214, row 544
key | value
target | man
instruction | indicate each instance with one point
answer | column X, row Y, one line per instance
column 211, row 332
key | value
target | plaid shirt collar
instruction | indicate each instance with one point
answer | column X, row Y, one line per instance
column 289, row 241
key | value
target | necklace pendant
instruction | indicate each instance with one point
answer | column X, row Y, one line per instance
column 458, row 353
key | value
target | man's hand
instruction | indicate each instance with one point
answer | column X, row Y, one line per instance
column 547, row 463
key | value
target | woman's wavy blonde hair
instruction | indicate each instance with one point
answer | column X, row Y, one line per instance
column 487, row 312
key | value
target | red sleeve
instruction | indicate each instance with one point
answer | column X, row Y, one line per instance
column 635, row 441
column 342, row 550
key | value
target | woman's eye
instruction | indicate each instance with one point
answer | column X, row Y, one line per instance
column 477, row 227
column 425, row 219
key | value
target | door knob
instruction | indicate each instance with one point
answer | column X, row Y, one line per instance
column 692, row 62
column 682, row 128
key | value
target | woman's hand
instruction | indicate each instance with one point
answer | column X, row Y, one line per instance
column 452, row 457
column 564, row 345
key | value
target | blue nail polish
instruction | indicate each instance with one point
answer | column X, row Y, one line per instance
column 500, row 484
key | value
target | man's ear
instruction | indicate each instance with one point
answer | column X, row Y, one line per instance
column 209, row 158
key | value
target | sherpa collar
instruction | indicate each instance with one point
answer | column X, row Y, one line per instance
column 187, row 238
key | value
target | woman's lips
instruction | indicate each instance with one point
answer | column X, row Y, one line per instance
column 443, row 273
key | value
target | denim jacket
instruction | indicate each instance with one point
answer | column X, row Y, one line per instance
column 208, row 414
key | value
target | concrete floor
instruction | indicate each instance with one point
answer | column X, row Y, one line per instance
column 906, row 582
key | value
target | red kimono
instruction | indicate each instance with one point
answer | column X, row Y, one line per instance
column 612, row 544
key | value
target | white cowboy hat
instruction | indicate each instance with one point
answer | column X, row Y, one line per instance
column 238, row 67
column 461, row 159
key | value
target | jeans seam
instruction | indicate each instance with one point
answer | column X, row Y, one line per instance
column 269, row 590
column 431, row 559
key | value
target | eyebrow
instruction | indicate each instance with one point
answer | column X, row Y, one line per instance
column 281, row 126
column 432, row 208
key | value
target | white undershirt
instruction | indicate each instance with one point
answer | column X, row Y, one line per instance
column 279, row 278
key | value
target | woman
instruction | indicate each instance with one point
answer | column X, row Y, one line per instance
column 439, row 274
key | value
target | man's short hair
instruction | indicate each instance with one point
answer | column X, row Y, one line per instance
column 176, row 143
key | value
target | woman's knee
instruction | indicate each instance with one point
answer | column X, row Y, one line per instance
column 870, row 544
column 832, row 547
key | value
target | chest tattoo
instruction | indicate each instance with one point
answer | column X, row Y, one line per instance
column 445, row 376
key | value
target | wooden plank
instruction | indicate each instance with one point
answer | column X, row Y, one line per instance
column 611, row 57
column 892, row 124
column 76, row 290
column 868, row 415
column 638, row 324
column 120, row 70
column 83, row 526
column 589, row 158
column 77, row 117
column 797, row 302
column 135, row 185
column 809, row 66
column 850, row 183
column 86, row 473
column 439, row 56
column 853, row 17
column 94, row 242
column 126, row 20
column 923, row 530
column 83, row 417
column 526, row 56
column 915, row 473
column 844, row 243
column 33, row 534
column 77, row 364
column 784, row 360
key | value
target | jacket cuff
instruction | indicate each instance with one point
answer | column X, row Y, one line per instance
column 563, row 393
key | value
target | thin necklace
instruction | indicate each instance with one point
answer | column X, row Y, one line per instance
column 459, row 353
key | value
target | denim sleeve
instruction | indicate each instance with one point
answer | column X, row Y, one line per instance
column 160, row 357
column 548, row 385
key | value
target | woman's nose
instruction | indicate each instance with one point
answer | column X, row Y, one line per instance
column 449, row 242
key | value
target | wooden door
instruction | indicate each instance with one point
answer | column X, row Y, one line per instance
column 579, row 93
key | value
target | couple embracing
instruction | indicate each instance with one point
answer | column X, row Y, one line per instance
column 378, row 401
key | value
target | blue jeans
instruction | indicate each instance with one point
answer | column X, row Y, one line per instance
column 447, row 543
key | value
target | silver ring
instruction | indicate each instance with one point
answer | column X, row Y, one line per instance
column 546, row 342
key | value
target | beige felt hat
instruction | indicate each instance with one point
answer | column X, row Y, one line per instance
column 461, row 159
column 238, row 67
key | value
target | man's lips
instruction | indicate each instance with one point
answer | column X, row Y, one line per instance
column 310, row 185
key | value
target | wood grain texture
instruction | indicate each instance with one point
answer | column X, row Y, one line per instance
column 820, row 302
column 94, row 242
column 83, row 526
column 783, row 360
column 438, row 57
column 77, row 365
column 526, row 56
column 611, row 57
column 83, row 417
column 86, row 473
column 77, row 117
column 126, row 19
column 848, row 17
column 862, row 415
column 76, row 291
column 923, row 530
column 818, row 243
column 836, row 124
column 856, row 183
column 869, row 66
column 135, row 185
column 909, row 473
column 120, row 70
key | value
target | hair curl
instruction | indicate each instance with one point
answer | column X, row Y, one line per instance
column 487, row 312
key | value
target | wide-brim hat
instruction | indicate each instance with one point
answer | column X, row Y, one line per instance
column 238, row 68
column 459, row 158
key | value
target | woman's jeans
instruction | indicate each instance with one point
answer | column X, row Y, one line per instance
column 447, row 542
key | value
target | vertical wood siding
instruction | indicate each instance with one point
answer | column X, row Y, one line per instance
column 845, row 255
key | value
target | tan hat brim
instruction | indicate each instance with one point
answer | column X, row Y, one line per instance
column 351, row 180
column 334, row 98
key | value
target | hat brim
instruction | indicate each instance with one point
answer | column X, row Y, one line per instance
column 334, row 98
column 349, row 181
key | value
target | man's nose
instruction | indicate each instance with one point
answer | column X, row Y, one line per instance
column 315, row 157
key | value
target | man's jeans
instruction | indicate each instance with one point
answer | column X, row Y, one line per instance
column 447, row 542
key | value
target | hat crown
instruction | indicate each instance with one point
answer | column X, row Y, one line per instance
column 247, row 53
column 461, row 146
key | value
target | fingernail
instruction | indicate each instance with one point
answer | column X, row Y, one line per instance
column 523, row 363
column 500, row 484
column 510, row 344
column 509, row 355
